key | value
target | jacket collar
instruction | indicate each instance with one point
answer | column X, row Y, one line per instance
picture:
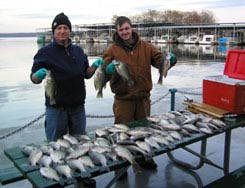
column 61, row 45
column 118, row 40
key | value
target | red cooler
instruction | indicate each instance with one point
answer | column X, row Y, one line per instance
column 228, row 91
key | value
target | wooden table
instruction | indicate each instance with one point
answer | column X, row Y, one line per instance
column 32, row 173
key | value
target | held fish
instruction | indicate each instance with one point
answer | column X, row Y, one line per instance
column 99, row 81
column 50, row 87
column 164, row 67
column 123, row 70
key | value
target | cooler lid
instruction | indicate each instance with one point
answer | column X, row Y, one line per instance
column 235, row 64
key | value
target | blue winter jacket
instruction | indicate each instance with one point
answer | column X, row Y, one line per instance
column 68, row 67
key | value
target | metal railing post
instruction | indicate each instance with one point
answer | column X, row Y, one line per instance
column 172, row 102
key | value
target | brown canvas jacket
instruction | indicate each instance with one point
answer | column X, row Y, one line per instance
column 139, row 60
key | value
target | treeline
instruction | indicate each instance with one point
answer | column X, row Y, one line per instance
column 173, row 16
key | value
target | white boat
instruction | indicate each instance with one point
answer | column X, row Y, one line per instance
column 76, row 39
column 192, row 39
column 163, row 39
column 100, row 40
column 103, row 38
column 181, row 39
column 207, row 39
column 207, row 49
column 154, row 39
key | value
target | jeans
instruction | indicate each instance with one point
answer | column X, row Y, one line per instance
column 60, row 121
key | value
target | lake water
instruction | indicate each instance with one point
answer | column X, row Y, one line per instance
column 21, row 101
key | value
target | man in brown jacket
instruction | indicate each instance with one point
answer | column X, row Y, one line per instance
column 132, row 102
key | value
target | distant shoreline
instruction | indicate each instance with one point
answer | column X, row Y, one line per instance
column 18, row 35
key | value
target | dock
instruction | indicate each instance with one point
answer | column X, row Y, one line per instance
column 216, row 33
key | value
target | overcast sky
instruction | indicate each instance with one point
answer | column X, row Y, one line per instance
column 27, row 15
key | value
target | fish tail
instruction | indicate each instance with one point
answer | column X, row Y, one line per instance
column 71, row 180
column 52, row 101
column 99, row 94
column 160, row 80
column 136, row 168
column 148, row 157
column 104, row 169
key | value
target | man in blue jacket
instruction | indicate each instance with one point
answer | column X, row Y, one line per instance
column 69, row 67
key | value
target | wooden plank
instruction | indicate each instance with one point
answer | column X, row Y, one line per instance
column 205, row 108
column 9, row 175
column 39, row 181
column 24, row 165
column 14, row 153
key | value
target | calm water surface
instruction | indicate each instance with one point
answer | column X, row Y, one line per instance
column 20, row 100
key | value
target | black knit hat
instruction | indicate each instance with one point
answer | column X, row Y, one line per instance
column 61, row 19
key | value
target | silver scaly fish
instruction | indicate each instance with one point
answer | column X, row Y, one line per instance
column 123, row 70
column 100, row 159
column 125, row 154
column 164, row 67
column 78, row 153
column 99, row 81
column 71, row 139
column 49, row 173
column 50, row 87
column 76, row 164
column 35, row 155
column 66, row 171
column 45, row 161
column 87, row 161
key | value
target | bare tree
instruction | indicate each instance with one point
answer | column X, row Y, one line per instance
column 173, row 16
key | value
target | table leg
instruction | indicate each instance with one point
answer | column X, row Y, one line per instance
column 201, row 156
column 123, row 170
column 227, row 147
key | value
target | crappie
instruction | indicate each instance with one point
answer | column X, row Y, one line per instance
column 123, row 70
column 163, row 68
column 78, row 153
column 125, row 154
column 100, row 159
column 57, row 156
column 66, row 171
column 49, row 173
column 99, row 81
column 76, row 164
column 34, row 156
column 87, row 161
column 45, row 161
column 50, row 87
column 71, row 139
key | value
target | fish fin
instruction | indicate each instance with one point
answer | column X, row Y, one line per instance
column 136, row 168
column 52, row 101
column 160, row 80
column 71, row 180
column 165, row 70
column 99, row 94
column 104, row 169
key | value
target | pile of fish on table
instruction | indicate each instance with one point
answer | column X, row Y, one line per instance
column 80, row 153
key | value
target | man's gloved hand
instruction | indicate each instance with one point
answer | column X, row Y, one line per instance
column 40, row 74
column 98, row 62
column 110, row 69
column 173, row 59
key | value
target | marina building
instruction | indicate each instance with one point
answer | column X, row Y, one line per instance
column 158, row 32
